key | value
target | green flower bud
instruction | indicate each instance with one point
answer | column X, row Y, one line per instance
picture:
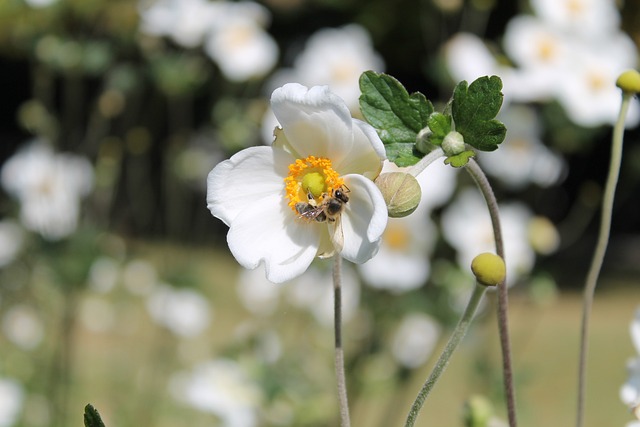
column 401, row 193
column 489, row 269
column 453, row 144
column 477, row 412
column 423, row 141
column 629, row 82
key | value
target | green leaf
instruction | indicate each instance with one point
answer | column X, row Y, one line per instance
column 474, row 109
column 397, row 116
column 92, row 417
column 459, row 160
column 440, row 125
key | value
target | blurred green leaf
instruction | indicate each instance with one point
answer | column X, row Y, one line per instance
column 474, row 109
column 397, row 116
column 92, row 417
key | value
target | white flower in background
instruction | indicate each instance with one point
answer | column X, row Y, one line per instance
column 402, row 263
column 415, row 340
column 523, row 158
column 238, row 42
column 187, row 22
column 466, row 225
column 630, row 391
column 97, row 314
column 257, row 294
column 314, row 292
column 11, row 401
column 185, row 312
column 11, row 241
column 39, row 4
column 220, row 387
column 335, row 57
column 22, row 326
column 588, row 93
column 467, row 58
column 321, row 153
column 49, row 188
column 584, row 18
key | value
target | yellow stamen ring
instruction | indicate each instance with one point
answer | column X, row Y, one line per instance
column 313, row 175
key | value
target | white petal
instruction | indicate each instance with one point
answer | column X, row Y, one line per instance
column 315, row 121
column 363, row 220
column 366, row 155
column 243, row 181
column 269, row 232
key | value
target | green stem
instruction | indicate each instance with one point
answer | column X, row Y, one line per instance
column 458, row 333
column 503, row 300
column 426, row 161
column 601, row 248
column 339, row 352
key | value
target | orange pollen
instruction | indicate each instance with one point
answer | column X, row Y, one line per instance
column 299, row 169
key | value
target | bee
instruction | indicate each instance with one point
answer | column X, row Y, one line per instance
column 329, row 210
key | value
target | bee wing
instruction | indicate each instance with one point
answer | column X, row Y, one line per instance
column 336, row 234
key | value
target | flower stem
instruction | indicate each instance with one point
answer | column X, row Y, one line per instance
column 339, row 352
column 426, row 161
column 503, row 300
column 457, row 335
column 601, row 248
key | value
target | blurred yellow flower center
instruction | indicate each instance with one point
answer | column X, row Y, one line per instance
column 396, row 236
column 313, row 176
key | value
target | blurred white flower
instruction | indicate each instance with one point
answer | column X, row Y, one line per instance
column 313, row 291
column 415, row 340
column 23, row 327
column 466, row 225
column 467, row 58
column 11, row 241
column 184, row 312
column 187, row 22
column 38, row 4
column 335, row 57
column 238, row 42
column 522, row 158
column 585, row 18
column 257, row 294
column 220, row 387
column 630, row 390
column 49, row 187
column 11, row 401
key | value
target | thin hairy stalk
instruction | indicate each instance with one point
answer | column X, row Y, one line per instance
column 503, row 300
column 598, row 256
column 426, row 161
column 339, row 352
column 458, row 333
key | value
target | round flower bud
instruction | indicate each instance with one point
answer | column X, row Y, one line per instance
column 489, row 269
column 401, row 193
column 477, row 412
column 629, row 81
column 453, row 143
column 423, row 141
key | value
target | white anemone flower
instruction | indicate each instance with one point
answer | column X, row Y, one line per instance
column 49, row 187
column 238, row 42
column 11, row 401
column 185, row 312
column 308, row 195
column 586, row 18
column 415, row 340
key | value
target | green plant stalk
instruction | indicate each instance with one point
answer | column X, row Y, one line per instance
column 600, row 250
column 458, row 333
column 503, row 299
column 343, row 402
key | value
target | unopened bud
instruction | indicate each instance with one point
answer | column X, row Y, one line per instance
column 423, row 141
column 401, row 193
column 478, row 411
column 453, row 144
column 489, row 269
column 629, row 82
